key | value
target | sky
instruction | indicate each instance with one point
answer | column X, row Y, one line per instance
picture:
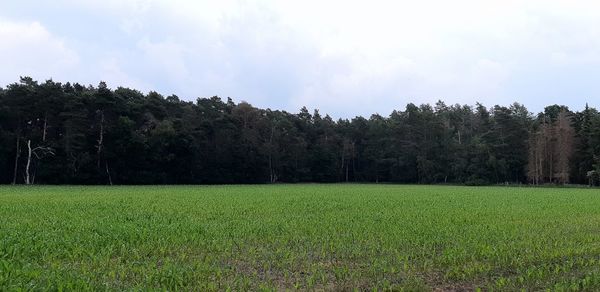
column 344, row 57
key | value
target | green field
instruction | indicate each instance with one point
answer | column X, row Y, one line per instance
column 322, row 237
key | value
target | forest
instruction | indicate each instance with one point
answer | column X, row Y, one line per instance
column 64, row 133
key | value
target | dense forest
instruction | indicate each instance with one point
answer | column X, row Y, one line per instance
column 53, row 133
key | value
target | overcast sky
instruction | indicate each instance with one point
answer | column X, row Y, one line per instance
column 344, row 57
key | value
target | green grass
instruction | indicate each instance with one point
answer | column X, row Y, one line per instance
column 323, row 237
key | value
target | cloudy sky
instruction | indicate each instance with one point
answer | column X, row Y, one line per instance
column 344, row 57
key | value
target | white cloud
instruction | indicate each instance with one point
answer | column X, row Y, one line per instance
column 168, row 57
column 109, row 71
column 344, row 57
column 28, row 49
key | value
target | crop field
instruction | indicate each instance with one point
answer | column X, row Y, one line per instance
column 299, row 237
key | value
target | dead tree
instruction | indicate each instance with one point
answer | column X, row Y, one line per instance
column 565, row 135
column 39, row 152
column 550, row 151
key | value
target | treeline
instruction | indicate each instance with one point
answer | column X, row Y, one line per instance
column 53, row 133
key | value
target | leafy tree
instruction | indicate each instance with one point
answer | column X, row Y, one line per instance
column 68, row 133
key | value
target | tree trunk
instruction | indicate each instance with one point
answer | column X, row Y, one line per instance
column 27, row 177
column 551, row 173
column 343, row 156
column 353, row 162
column 108, row 173
column 45, row 127
column 17, row 154
column 346, row 172
column 101, row 138
column 271, row 171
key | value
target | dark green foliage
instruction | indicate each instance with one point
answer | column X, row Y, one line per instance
column 101, row 136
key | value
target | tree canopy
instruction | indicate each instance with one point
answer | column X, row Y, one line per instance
column 56, row 133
